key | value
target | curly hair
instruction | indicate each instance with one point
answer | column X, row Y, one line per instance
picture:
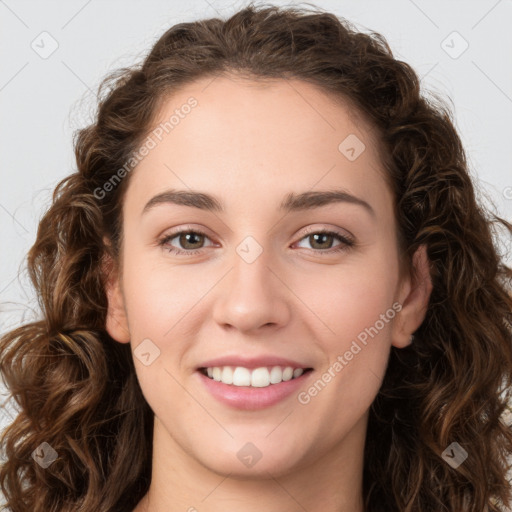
column 76, row 387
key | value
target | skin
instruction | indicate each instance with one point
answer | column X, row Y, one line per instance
column 250, row 144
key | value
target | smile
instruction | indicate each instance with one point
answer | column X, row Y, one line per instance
column 256, row 378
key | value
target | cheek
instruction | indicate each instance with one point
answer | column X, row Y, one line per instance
column 347, row 299
column 158, row 296
column 353, row 319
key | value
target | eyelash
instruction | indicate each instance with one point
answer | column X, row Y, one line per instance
column 346, row 242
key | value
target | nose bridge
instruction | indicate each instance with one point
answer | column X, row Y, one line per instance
column 251, row 270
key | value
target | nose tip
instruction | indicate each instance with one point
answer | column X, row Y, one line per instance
column 250, row 296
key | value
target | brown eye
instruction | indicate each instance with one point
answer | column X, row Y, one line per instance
column 322, row 241
column 189, row 242
column 190, row 239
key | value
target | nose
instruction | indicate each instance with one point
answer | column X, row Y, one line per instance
column 252, row 296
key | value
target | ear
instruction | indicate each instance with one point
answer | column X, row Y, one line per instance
column 116, row 322
column 414, row 295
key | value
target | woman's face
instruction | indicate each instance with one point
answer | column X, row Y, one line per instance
column 252, row 282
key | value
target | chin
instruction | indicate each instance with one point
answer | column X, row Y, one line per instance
column 248, row 456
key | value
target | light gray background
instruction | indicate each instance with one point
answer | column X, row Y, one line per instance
column 43, row 100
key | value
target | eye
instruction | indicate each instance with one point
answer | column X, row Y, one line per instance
column 190, row 240
column 322, row 240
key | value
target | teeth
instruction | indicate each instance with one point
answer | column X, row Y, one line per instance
column 241, row 377
column 257, row 378
column 227, row 375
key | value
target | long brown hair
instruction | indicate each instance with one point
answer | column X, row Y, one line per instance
column 76, row 387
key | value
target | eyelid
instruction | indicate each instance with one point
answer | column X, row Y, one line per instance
column 186, row 228
column 339, row 231
column 309, row 229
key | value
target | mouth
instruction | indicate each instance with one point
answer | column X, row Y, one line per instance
column 251, row 389
column 262, row 377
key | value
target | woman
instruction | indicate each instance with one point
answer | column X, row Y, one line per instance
column 267, row 286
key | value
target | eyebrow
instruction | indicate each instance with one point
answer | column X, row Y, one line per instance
column 292, row 202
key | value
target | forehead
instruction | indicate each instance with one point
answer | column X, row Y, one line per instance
column 251, row 137
column 288, row 108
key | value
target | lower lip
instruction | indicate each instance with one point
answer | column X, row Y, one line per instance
column 249, row 398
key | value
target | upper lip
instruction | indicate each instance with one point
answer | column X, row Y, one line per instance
column 253, row 362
